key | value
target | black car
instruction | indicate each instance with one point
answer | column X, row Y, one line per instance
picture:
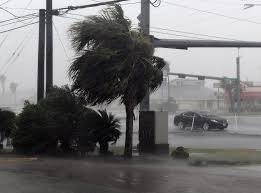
column 198, row 119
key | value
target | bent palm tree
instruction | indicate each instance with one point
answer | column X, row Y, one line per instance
column 113, row 61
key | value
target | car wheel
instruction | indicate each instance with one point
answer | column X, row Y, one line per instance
column 205, row 127
column 181, row 125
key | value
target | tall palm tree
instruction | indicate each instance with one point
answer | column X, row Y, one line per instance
column 113, row 61
column 2, row 80
column 13, row 87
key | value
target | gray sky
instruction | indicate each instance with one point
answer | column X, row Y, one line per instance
column 218, row 62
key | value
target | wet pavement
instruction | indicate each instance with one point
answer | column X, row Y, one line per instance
column 119, row 175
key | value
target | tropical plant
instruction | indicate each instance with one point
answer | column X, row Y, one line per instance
column 107, row 130
column 7, row 123
column 113, row 61
column 2, row 80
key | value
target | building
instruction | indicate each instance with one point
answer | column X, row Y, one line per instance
column 189, row 94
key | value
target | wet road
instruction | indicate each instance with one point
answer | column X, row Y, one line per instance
column 136, row 176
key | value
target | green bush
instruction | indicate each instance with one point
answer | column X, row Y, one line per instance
column 62, row 122
column 180, row 153
column 7, row 124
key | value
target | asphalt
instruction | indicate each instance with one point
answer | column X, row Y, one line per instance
column 143, row 175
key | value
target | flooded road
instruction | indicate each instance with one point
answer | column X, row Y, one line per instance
column 118, row 175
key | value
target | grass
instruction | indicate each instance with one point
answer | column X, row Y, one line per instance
column 226, row 156
column 215, row 156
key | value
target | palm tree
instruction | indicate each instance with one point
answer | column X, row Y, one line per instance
column 13, row 87
column 107, row 130
column 2, row 80
column 113, row 61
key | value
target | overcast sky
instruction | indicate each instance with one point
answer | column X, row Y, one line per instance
column 181, row 15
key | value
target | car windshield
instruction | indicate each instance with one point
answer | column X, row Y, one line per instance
column 206, row 114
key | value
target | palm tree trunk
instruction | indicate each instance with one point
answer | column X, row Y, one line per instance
column 129, row 131
column 104, row 147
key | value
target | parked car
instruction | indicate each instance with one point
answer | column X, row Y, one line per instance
column 204, row 120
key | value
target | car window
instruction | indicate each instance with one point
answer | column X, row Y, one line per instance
column 189, row 114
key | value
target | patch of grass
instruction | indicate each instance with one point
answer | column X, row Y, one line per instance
column 214, row 156
column 226, row 156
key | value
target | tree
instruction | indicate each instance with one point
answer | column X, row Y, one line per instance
column 7, row 123
column 53, row 120
column 229, row 85
column 2, row 80
column 13, row 87
column 113, row 61
column 107, row 130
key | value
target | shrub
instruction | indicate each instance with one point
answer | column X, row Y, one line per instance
column 180, row 153
column 7, row 124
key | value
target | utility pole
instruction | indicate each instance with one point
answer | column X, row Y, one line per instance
column 238, row 97
column 49, row 45
column 145, row 28
column 41, row 59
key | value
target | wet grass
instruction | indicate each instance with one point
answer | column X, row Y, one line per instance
column 215, row 156
column 226, row 156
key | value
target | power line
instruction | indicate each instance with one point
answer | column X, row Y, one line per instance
column 191, row 33
column 5, row 2
column 17, row 51
column 61, row 42
column 18, row 27
column 212, row 13
column 18, row 21
column 62, row 16
column 18, row 17
column 178, row 35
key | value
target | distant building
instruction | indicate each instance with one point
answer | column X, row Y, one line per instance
column 189, row 94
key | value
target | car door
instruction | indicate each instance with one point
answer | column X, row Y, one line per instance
column 188, row 118
column 197, row 120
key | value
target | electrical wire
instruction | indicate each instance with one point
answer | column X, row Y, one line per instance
column 5, row 2
column 17, row 51
column 178, row 35
column 18, row 17
column 1, row 32
column 17, row 21
column 61, row 42
column 191, row 33
column 212, row 13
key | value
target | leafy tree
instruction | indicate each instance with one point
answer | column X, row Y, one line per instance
column 32, row 135
column 113, row 61
column 52, row 120
column 7, row 123
column 63, row 109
